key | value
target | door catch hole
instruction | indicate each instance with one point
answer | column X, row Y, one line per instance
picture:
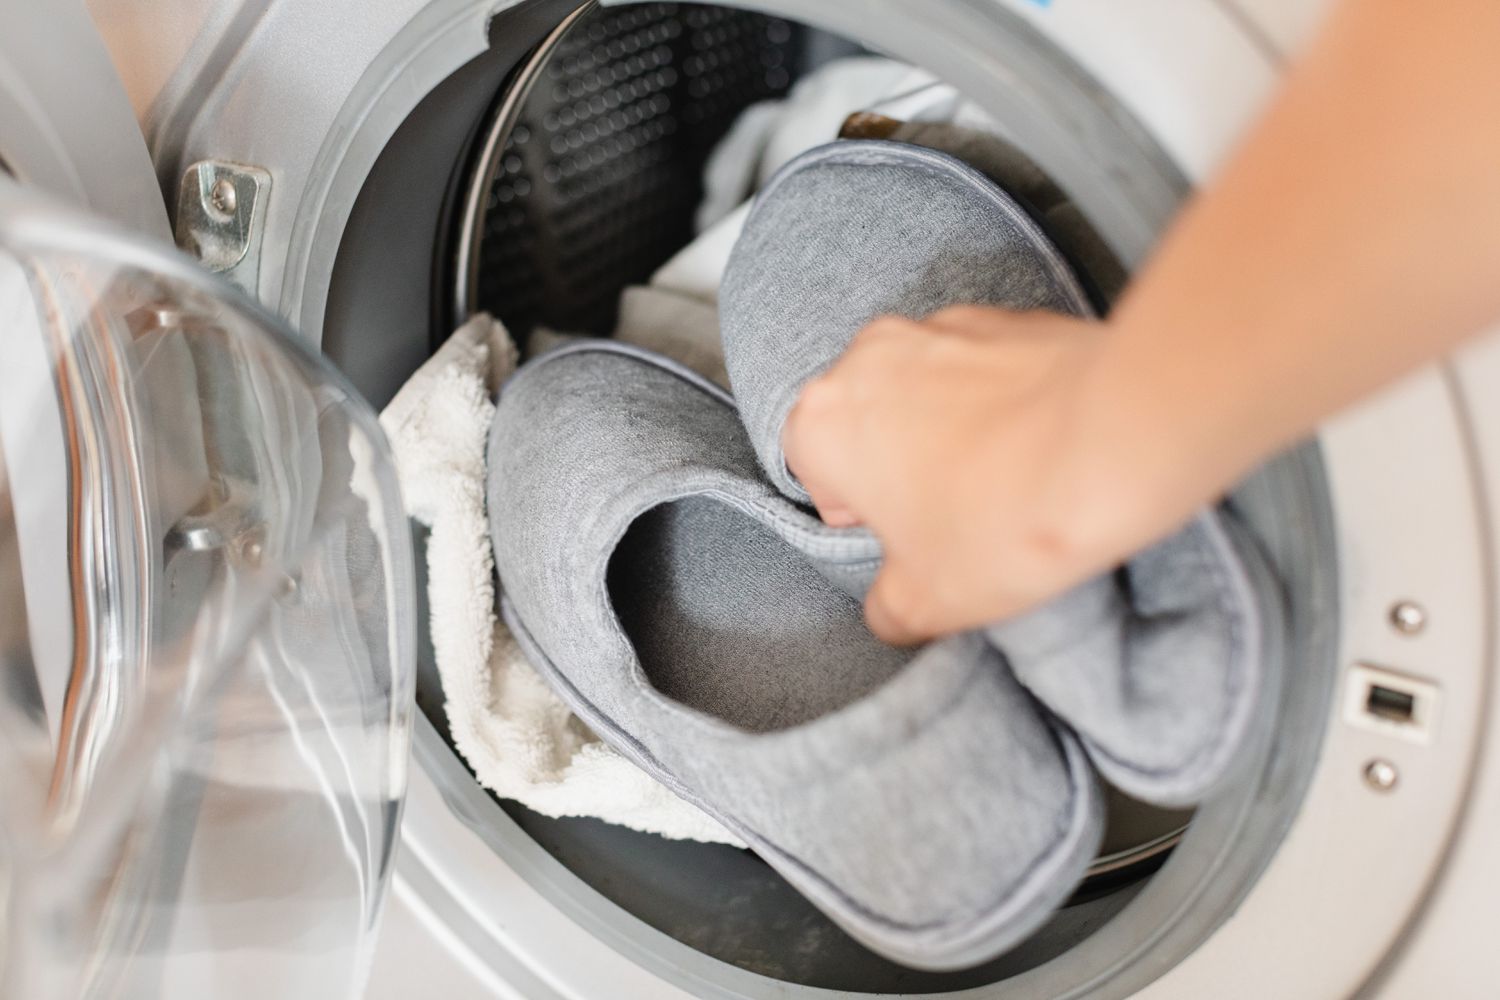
column 1388, row 703
column 1391, row 702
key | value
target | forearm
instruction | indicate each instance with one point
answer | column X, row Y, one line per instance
column 1355, row 235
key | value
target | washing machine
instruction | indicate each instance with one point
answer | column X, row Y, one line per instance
column 356, row 169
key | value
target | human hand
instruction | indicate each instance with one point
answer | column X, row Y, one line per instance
column 995, row 464
column 1001, row 458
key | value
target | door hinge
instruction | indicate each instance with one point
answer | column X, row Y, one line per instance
column 221, row 216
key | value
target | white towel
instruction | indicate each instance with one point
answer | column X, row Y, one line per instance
column 519, row 738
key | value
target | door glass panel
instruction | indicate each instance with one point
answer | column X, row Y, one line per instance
column 206, row 635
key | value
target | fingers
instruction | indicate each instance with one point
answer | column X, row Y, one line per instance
column 881, row 341
column 829, row 425
column 807, row 449
column 973, row 321
column 820, row 443
column 897, row 609
column 833, row 512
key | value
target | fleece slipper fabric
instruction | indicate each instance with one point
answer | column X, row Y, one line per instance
column 1158, row 667
column 707, row 628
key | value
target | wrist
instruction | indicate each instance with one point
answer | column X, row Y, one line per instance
column 1152, row 446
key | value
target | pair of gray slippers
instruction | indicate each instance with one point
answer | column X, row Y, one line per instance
column 663, row 571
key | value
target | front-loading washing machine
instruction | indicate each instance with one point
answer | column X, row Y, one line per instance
column 355, row 169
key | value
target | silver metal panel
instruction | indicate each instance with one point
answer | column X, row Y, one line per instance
column 65, row 125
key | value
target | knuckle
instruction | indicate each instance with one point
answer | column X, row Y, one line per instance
column 821, row 395
column 908, row 605
column 955, row 315
column 815, row 420
column 883, row 329
column 905, row 615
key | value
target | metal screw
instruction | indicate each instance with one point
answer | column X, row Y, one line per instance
column 1381, row 775
column 1408, row 617
column 222, row 198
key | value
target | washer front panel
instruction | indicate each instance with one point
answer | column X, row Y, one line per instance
column 1359, row 858
column 528, row 947
column 1189, row 72
column 1285, row 26
column 1451, row 952
column 275, row 85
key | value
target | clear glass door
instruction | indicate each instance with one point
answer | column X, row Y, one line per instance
column 206, row 634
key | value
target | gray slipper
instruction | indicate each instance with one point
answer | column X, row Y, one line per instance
column 1158, row 668
column 704, row 626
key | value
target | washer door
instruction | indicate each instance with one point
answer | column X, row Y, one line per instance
column 206, row 632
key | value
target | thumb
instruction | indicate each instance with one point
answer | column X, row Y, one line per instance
column 834, row 512
column 897, row 607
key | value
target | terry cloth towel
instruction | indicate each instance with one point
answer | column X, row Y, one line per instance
column 519, row 738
